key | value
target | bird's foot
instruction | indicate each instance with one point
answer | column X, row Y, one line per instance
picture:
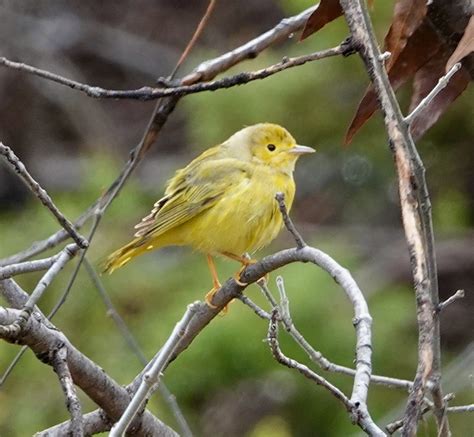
column 245, row 264
column 210, row 295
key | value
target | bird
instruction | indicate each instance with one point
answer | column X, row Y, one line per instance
column 223, row 202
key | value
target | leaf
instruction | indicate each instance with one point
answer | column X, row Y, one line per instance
column 465, row 46
column 424, row 81
column 418, row 50
column 407, row 17
column 327, row 11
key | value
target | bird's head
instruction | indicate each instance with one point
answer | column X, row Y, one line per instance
column 269, row 144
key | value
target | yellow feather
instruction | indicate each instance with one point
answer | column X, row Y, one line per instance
column 224, row 200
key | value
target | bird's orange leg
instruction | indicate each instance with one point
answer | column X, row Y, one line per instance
column 245, row 261
column 215, row 282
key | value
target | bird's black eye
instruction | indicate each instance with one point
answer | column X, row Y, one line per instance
column 271, row 147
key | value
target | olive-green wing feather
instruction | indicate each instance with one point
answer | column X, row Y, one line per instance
column 193, row 192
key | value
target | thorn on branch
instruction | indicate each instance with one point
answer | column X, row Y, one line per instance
column 456, row 296
column 300, row 243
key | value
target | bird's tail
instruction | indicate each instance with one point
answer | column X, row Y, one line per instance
column 126, row 253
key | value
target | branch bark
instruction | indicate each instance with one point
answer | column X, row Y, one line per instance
column 416, row 214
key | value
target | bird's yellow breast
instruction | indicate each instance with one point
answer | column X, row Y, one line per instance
column 245, row 219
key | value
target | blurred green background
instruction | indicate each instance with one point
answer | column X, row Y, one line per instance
column 227, row 382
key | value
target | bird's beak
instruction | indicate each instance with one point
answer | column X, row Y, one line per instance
column 301, row 150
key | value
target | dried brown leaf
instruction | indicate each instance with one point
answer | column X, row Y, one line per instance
column 407, row 17
column 327, row 11
column 465, row 46
column 419, row 49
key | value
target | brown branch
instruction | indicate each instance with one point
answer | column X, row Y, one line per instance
column 416, row 214
column 197, row 33
column 42, row 195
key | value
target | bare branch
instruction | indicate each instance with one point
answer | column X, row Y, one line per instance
column 42, row 195
column 152, row 376
column 461, row 409
column 197, row 33
column 60, row 366
column 207, row 70
column 260, row 312
column 27, row 267
column 132, row 343
column 65, row 255
column 150, row 93
column 395, row 426
column 416, row 214
column 442, row 83
column 456, row 296
column 42, row 338
column 280, row 198
column 272, row 338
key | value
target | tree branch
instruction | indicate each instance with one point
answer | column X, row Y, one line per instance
column 42, row 338
column 42, row 195
column 60, row 366
column 152, row 376
column 416, row 214
column 151, row 93
column 272, row 338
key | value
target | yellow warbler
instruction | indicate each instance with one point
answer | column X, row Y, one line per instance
column 223, row 202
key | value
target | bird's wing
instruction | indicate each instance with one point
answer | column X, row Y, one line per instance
column 193, row 192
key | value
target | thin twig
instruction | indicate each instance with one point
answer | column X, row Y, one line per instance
column 152, row 376
column 260, row 312
column 197, row 33
column 27, row 267
column 262, row 283
column 60, row 366
column 456, row 296
column 442, row 83
column 316, row 356
column 132, row 343
column 461, row 409
column 66, row 254
column 395, row 426
column 280, row 198
column 272, row 338
column 42, row 195
column 151, row 93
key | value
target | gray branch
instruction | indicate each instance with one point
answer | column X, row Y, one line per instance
column 416, row 214
column 42, row 338
column 60, row 366
column 65, row 255
column 152, row 93
column 152, row 376
column 42, row 195
column 442, row 83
